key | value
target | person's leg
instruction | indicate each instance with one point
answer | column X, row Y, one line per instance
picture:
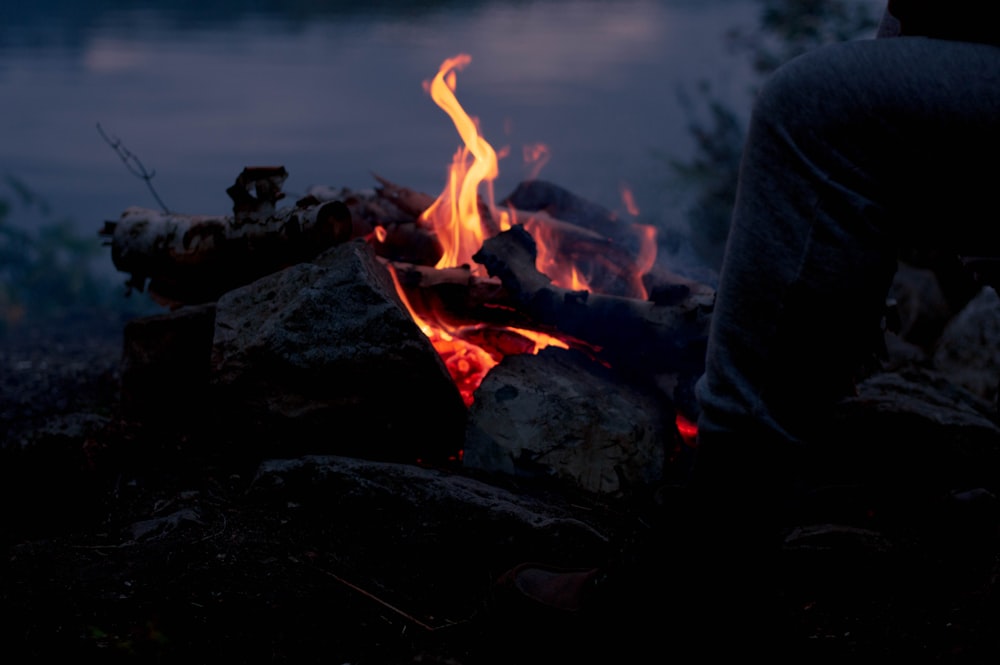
column 853, row 150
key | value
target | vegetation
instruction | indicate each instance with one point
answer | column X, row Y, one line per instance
column 787, row 28
column 47, row 274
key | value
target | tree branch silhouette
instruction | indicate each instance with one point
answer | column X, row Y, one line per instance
column 133, row 164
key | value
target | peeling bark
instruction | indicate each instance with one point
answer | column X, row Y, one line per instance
column 188, row 259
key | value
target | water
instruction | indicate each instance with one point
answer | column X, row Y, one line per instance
column 335, row 94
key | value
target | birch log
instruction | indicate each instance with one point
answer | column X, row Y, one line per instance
column 188, row 259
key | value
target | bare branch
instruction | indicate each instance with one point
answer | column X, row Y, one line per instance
column 133, row 164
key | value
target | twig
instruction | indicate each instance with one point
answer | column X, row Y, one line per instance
column 383, row 603
column 133, row 164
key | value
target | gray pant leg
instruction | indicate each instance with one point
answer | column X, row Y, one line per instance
column 853, row 151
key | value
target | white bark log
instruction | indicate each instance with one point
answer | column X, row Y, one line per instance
column 196, row 258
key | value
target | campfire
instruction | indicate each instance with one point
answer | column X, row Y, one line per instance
column 461, row 219
column 483, row 280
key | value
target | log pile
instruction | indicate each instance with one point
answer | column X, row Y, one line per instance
column 188, row 259
column 194, row 259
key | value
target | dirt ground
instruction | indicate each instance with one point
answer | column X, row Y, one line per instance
column 134, row 544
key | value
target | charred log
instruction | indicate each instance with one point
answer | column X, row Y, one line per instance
column 631, row 333
column 389, row 217
column 559, row 203
column 459, row 298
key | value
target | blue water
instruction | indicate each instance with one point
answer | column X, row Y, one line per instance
column 334, row 93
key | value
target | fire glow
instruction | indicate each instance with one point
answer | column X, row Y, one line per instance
column 462, row 220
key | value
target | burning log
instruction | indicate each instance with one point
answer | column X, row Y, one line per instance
column 458, row 295
column 578, row 231
column 389, row 216
column 189, row 259
column 537, row 196
column 634, row 334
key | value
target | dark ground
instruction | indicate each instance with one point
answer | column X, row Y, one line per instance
column 141, row 544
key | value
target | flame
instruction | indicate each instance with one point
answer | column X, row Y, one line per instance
column 553, row 259
column 535, row 156
column 628, row 199
column 645, row 259
column 455, row 215
column 457, row 218
column 466, row 361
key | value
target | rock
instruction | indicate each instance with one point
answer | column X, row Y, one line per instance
column 323, row 358
column 969, row 348
column 431, row 507
column 914, row 432
column 561, row 415
column 165, row 365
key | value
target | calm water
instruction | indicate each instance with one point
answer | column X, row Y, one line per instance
column 334, row 93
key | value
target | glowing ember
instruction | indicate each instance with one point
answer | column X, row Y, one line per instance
column 688, row 430
column 468, row 362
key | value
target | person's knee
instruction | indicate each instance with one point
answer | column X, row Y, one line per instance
column 802, row 94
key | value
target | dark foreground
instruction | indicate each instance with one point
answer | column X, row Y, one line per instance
column 131, row 543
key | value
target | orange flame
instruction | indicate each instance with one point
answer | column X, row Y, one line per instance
column 457, row 218
column 536, row 156
column 468, row 362
column 552, row 258
column 455, row 214
column 628, row 198
column 645, row 260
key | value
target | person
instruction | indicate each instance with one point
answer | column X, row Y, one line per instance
column 854, row 151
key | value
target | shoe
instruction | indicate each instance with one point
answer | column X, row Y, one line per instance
column 551, row 589
column 547, row 614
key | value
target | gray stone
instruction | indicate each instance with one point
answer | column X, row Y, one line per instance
column 323, row 358
column 559, row 414
column 969, row 348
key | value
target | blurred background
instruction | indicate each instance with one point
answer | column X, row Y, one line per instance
column 644, row 96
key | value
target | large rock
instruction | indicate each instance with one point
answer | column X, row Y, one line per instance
column 913, row 432
column 969, row 348
column 561, row 415
column 165, row 366
column 323, row 358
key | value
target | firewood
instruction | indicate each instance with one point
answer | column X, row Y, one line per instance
column 633, row 334
column 460, row 298
column 412, row 201
column 535, row 196
column 389, row 218
column 607, row 247
column 188, row 259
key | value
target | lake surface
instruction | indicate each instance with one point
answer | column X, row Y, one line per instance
column 334, row 92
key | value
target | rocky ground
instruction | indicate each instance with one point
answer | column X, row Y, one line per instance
column 155, row 544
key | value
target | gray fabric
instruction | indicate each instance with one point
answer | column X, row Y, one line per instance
column 888, row 26
column 853, row 150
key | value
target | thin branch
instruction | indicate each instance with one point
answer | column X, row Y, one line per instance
column 405, row 615
column 133, row 164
